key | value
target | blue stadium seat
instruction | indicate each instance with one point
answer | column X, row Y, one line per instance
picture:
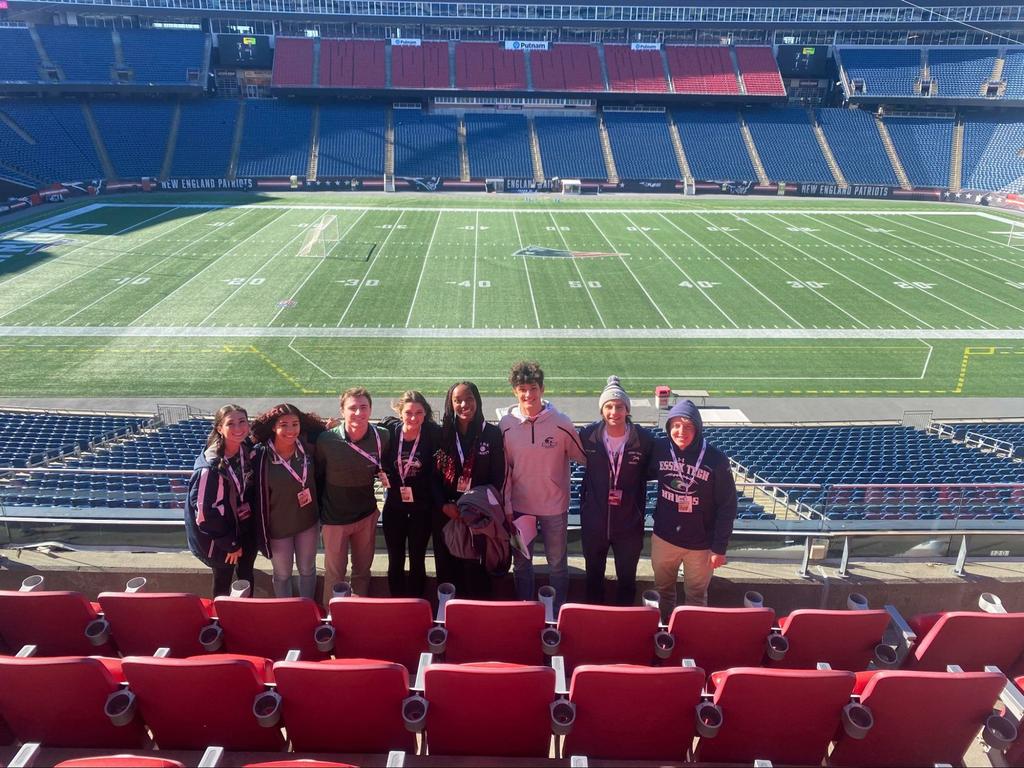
column 351, row 140
column 82, row 54
column 570, row 147
column 205, row 132
column 426, row 144
column 991, row 154
column 857, row 146
column 713, row 144
column 19, row 60
column 787, row 145
column 885, row 71
column 135, row 136
column 641, row 145
column 498, row 146
column 63, row 149
column 164, row 56
column 275, row 139
column 961, row 72
column 923, row 145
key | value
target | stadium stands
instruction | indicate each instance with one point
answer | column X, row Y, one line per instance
column 392, row 630
column 293, row 61
column 205, row 132
column 420, row 66
column 19, row 59
column 567, row 68
column 787, row 145
column 143, row 622
column 164, row 57
column 592, row 634
column 961, row 72
column 498, row 146
column 488, row 66
column 924, row 145
column 481, row 631
column 641, row 145
column 30, row 437
column 275, row 139
column 857, row 146
column 714, row 144
column 1013, row 73
column 426, row 144
column 352, row 63
column 56, row 623
column 570, row 147
column 634, row 71
column 701, row 69
column 760, row 71
column 885, row 71
column 351, row 140
column 63, row 149
column 719, row 638
column 992, row 153
column 82, row 54
column 135, row 136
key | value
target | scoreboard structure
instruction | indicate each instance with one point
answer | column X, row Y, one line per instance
column 803, row 61
column 247, row 51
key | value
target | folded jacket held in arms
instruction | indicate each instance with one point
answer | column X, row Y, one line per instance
column 481, row 532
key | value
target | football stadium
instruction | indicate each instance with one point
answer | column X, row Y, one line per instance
column 769, row 256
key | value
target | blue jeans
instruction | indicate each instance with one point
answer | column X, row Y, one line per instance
column 300, row 549
column 554, row 530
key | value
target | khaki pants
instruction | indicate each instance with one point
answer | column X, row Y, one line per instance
column 665, row 560
column 362, row 537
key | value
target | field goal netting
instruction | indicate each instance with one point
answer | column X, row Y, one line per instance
column 321, row 237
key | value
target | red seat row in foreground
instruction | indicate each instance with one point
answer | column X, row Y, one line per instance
column 615, row 712
column 399, row 630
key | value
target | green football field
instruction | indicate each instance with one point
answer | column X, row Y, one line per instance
column 309, row 294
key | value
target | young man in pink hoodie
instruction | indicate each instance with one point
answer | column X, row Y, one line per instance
column 539, row 443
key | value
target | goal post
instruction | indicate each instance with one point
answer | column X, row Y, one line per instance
column 321, row 237
column 389, row 182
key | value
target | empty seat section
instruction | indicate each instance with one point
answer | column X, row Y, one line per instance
column 701, row 69
column 146, row 621
column 420, row 66
column 270, row 628
column 567, row 68
column 853, row 136
column 63, row 149
column 83, row 54
column 960, row 72
column 487, row 66
column 164, row 56
column 787, row 145
column 923, row 145
column 760, row 71
column 19, row 60
column 426, row 144
column 498, row 145
column 885, row 71
column 592, row 634
column 634, row 71
column 570, row 147
column 205, row 132
column 351, row 140
column 992, row 159
column 293, row 61
column 275, row 139
column 390, row 629
column 641, row 145
column 1013, row 73
column 31, row 436
column 714, row 144
column 135, row 136
column 352, row 63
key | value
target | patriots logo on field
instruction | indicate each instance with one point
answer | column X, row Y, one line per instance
column 541, row 252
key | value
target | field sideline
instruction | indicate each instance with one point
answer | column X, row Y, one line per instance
column 184, row 296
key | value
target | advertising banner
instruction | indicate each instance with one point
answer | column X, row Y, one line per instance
column 648, row 185
column 645, row 46
column 876, row 191
column 526, row 45
column 204, row 184
column 411, row 42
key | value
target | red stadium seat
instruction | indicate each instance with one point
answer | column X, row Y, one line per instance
column 392, row 629
column 786, row 716
column 593, row 634
column 192, row 703
column 300, row 763
column 270, row 627
column 920, row 718
column 481, row 630
column 842, row 639
column 720, row 638
column 54, row 622
column 59, row 702
column 970, row 639
column 351, row 705
column 627, row 712
column 489, row 709
column 120, row 761
column 141, row 622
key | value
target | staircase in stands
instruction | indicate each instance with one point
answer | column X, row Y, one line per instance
column 826, row 150
column 172, row 141
column 736, row 69
column 755, row 158
column 538, row 164
column 890, row 150
column 463, row 152
column 97, row 140
column 606, row 150
column 389, row 142
column 314, row 145
column 956, row 156
column 236, row 140
column 677, row 145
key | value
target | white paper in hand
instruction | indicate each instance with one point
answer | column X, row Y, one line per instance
column 526, row 531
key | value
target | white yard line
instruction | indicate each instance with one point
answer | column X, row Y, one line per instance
column 622, row 260
column 317, row 266
column 526, row 266
column 1011, row 262
column 476, row 250
column 575, row 263
column 948, row 303
column 860, row 285
column 369, row 268
column 725, row 264
column 198, row 274
column 89, row 271
column 423, row 269
column 694, row 283
column 297, row 352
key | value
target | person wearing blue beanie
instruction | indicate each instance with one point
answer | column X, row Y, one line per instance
column 695, row 511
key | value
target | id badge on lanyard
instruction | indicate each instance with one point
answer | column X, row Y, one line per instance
column 465, row 478
column 382, row 476
column 684, row 500
column 243, row 510
column 403, row 471
column 304, row 496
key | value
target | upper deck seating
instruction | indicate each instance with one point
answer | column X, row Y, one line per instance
column 352, row 63
column 82, row 54
column 19, row 59
column 164, row 56
column 760, row 71
column 960, row 72
column 488, row 66
column 634, row 71
column 420, row 66
column 701, row 69
column 885, row 71
column 567, row 68
column 293, row 61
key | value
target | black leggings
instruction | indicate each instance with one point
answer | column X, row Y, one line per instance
column 402, row 528
column 224, row 574
column 470, row 578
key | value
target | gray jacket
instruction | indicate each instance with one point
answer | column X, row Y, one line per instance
column 481, row 531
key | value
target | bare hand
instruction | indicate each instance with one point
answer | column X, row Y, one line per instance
column 451, row 510
column 232, row 557
column 333, row 422
column 717, row 561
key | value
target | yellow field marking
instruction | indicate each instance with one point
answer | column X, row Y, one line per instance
column 965, row 361
column 283, row 373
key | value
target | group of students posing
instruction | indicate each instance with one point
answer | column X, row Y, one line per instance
column 275, row 485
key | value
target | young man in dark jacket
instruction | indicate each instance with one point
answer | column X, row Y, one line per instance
column 613, row 494
column 696, row 508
